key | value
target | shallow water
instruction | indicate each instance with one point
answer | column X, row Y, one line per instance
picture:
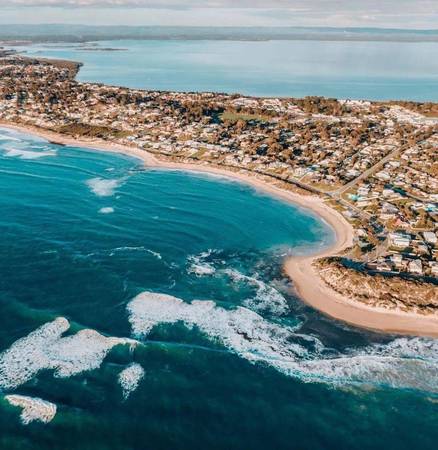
column 356, row 70
column 123, row 253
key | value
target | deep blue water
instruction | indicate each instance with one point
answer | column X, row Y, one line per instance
column 83, row 233
column 357, row 70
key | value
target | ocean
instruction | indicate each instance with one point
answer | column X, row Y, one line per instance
column 150, row 309
column 355, row 70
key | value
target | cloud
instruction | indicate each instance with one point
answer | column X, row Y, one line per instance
column 333, row 13
column 332, row 6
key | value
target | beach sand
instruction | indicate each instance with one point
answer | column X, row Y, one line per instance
column 308, row 284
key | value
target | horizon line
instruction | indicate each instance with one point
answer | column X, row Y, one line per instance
column 299, row 27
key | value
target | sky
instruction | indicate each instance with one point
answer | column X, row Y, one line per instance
column 409, row 14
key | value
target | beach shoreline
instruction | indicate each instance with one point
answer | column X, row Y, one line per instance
column 307, row 282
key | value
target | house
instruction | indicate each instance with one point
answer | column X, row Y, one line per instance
column 383, row 266
column 399, row 240
column 422, row 249
column 361, row 232
column 397, row 260
column 387, row 192
column 363, row 191
column 388, row 208
column 415, row 267
column 384, row 176
column 430, row 237
column 434, row 268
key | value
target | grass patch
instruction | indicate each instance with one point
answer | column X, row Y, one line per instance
column 86, row 130
column 235, row 116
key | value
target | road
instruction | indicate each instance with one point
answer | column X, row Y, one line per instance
column 364, row 175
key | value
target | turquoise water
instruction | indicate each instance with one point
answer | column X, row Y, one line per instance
column 357, row 70
column 94, row 237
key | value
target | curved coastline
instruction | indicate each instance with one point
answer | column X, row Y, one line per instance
column 308, row 284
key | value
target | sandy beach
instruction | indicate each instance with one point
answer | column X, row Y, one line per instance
column 308, row 284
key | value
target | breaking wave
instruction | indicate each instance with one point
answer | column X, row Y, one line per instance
column 45, row 348
column 156, row 254
column 103, row 187
column 29, row 154
column 406, row 363
column 267, row 298
column 201, row 270
column 135, row 249
column 106, row 210
column 33, row 408
column 8, row 137
column 199, row 266
column 130, row 378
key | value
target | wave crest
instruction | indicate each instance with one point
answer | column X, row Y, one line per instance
column 33, row 408
column 106, row 210
column 199, row 266
column 130, row 378
column 267, row 298
column 29, row 154
column 408, row 363
column 103, row 187
column 45, row 348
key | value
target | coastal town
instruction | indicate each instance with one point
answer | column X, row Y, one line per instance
column 376, row 163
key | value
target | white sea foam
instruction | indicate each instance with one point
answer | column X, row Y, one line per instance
column 9, row 138
column 33, row 408
column 106, row 210
column 369, row 368
column 128, row 248
column 136, row 249
column 156, row 254
column 29, row 154
column 45, row 348
column 198, row 265
column 130, row 378
column 240, row 329
column 103, row 187
column 201, row 269
column 267, row 298
column 409, row 363
column 408, row 348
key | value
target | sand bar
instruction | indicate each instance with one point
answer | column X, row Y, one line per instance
column 309, row 285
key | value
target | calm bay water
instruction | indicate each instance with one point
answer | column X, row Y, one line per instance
column 357, row 70
column 84, row 233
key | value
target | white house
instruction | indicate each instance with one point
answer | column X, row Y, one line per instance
column 399, row 240
column 416, row 267
column 430, row 237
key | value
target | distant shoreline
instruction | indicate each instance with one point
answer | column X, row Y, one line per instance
column 46, row 33
column 308, row 284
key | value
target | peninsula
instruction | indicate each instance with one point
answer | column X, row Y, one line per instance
column 370, row 169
